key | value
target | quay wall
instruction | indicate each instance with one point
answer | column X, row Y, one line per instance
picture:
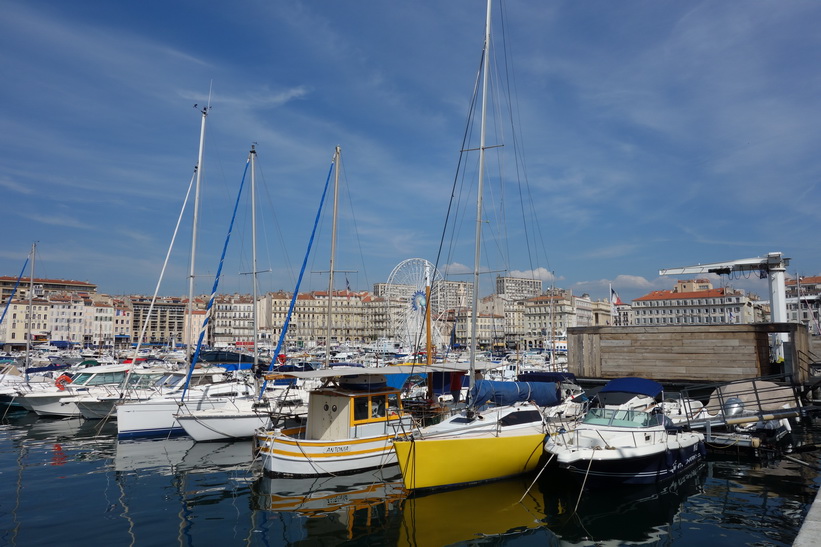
column 692, row 353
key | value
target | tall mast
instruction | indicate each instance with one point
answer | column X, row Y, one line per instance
column 337, row 153
column 254, row 250
column 194, row 237
column 428, row 334
column 28, row 318
column 476, row 253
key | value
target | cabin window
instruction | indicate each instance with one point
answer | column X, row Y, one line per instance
column 393, row 402
column 378, row 406
column 360, row 408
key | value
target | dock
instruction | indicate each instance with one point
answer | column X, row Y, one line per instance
column 810, row 533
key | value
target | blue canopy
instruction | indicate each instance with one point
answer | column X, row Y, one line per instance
column 631, row 384
column 546, row 376
column 507, row 393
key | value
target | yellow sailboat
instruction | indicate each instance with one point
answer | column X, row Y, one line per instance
column 482, row 443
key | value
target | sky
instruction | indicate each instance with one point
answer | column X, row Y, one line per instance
column 642, row 135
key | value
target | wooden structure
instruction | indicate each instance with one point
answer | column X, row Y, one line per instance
column 689, row 353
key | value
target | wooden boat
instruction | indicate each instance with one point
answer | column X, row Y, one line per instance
column 353, row 419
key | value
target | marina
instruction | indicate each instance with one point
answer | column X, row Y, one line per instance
column 429, row 411
column 178, row 492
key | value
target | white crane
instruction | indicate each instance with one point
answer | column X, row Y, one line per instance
column 773, row 266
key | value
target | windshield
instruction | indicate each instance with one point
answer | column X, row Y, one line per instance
column 98, row 378
column 617, row 418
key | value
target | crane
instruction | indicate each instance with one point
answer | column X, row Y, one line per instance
column 773, row 266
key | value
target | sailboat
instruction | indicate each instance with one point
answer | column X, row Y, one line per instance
column 242, row 416
column 482, row 443
column 138, row 416
column 353, row 416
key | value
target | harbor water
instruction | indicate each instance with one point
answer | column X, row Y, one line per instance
column 70, row 482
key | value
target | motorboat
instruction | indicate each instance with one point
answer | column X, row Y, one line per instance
column 60, row 399
column 627, row 439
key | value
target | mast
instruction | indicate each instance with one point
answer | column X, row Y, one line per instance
column 337, row 153
column 28, row 318
column 195, row 221
column 429, row 344
column 476, row 253
column 254, row 250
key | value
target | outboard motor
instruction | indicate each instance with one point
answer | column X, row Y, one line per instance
column 733, row 407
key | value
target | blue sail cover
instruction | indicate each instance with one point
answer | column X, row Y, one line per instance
column 507, row 393
column 631, row 384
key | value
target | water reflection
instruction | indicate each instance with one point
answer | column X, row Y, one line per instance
column 493, row 510
column 181, row 455
column 634, row 514
column 337, row 508
column 207, row 493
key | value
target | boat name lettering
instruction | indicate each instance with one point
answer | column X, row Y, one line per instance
column 337, row 449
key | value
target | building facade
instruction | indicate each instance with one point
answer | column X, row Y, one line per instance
column 696, row 303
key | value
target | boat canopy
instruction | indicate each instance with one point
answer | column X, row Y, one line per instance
column 634, row 385
column 546, row 376
column 507, row 393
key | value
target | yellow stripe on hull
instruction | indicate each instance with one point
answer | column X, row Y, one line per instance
column 442, row 462
column 299, row 457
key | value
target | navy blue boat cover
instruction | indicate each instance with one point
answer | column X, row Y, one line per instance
column 631, row 384
column 507, row 393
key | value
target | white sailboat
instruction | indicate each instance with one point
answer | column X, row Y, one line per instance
column 155, row 416
column 242, row 416
column 476, row 445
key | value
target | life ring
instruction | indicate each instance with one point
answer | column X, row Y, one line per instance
column 62, row 381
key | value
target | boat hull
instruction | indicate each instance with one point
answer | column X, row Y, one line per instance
column 156, row 417
column 221, row 426
column 643, row 465
column 429, row 464
column 51, row 404
column 289, row 456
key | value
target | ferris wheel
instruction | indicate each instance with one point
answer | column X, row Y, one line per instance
column 405, row 291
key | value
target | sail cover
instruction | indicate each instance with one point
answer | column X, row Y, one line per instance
column 507, row 393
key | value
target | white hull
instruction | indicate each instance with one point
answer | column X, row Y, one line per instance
column 97, row 409
column 52, row 404
column 222, row 424
column 156, row 417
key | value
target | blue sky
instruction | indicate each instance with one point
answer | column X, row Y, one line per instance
column 650, row 135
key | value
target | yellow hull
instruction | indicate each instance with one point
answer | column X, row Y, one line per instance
column 465, row 459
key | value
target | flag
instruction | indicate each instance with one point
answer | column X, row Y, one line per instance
column 614, row 298
column 348, row 287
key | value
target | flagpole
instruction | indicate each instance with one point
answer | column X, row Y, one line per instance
column 612, row 306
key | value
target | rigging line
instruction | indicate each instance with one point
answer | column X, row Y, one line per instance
column 277, row 228
column 461, row 161
column 518, row 150
column 353, row 218
column 147, row 319
column 210, row 306
column 334, row 164
column 14, row 290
